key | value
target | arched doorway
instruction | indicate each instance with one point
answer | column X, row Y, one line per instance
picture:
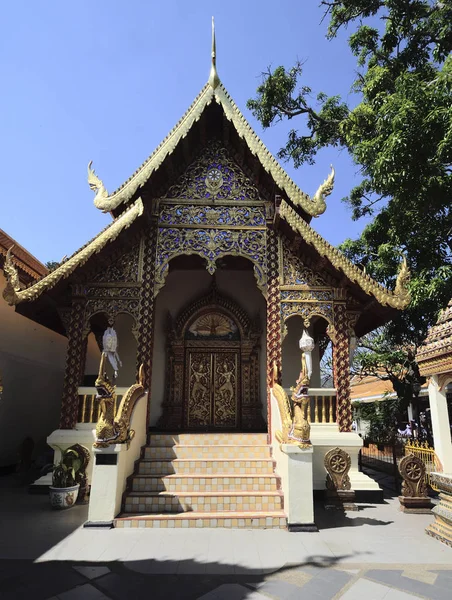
column 212, row 372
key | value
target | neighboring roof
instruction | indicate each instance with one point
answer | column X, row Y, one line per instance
column 371, row 389
column 109, row 202
column 399, row 298
column 13, row 293
column 435, row 354
column 25, row 261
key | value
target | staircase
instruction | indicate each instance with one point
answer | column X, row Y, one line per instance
column 204, row 480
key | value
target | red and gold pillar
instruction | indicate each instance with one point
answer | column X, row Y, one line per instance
column 274, row 355
column 146, row 313
column 75, row 361
column 341, row 368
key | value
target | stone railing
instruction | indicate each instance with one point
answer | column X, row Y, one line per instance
column 322, row 408
column 88, row 406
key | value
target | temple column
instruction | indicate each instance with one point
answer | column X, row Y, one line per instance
column 274, row 354
column 341, row 368
column 440, row 423
column 74, row 364
column 145, row 343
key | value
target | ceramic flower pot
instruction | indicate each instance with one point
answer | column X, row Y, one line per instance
column 63, row 497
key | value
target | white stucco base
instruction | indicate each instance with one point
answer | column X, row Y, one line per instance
column 294, row 466
column 302, row 472
column 60, row 439
column 111, row 468
column 326, row 437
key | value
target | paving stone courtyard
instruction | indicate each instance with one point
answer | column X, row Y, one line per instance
column 374, row 553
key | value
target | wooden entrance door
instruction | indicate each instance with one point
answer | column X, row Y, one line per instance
column 212, row 387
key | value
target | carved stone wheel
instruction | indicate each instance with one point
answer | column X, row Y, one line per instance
column 338, row 464
column 413, row 470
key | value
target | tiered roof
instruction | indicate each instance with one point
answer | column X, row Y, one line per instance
column 296, row 208
column 435, row 355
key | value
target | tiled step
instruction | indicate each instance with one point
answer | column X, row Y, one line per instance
column 210, row 483
column 227, row 451
column 207, row 439
column 236, row 520
column 205, row 466
column 165, row 502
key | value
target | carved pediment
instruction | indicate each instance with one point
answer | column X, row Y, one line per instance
column 124, row 268
column 214, row 176
column 294, row 272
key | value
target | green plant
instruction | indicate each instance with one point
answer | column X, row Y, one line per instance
column 65, row 471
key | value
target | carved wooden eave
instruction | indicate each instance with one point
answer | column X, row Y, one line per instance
column 13, row 293
column 30, row 268
column 398, row 299
column 110, row 202
column 434, row 356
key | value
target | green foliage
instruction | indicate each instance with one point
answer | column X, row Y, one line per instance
column 382, row 418
column 52, row 265
column 64, row 473
column 379, row 357
column 400, row 135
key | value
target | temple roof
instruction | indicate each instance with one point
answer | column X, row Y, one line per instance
column 13, row 293
column 296, row 207
column 28, row 264
column 109, row 202
column 435, row 354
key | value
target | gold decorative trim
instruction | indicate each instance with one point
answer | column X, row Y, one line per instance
column 212, row 245
column 399, row 298
column 312, row 206
column 165, row 148
column 14, row 295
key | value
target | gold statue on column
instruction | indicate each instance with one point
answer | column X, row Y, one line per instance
column 301, row 428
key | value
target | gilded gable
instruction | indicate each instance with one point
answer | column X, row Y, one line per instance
column 214, row 176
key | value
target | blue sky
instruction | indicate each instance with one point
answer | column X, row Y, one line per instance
column 107, row 80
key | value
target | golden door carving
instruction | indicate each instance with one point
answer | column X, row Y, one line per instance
column 212, row 389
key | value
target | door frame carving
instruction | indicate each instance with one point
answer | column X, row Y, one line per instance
column 174, row 407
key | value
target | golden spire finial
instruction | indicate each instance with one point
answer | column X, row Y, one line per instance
column 214, row 80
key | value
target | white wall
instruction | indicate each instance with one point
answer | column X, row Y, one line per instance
column 92, row 356
column 181, row 288
column 32, row 360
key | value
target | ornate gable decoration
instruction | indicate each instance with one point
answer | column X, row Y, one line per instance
column 303, row 292
column 294, row 272
column 214, row 176
column 124, row 268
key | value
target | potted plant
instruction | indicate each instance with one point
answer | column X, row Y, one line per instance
column 64, row 489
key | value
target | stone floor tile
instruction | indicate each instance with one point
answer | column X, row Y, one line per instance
column 325, row 585
column 369, row 590
column 420, row 575
column 92, row 572
column 398, row 595
column 232, row 591
column 83, row 592
column 396, row 580
column 280, row 589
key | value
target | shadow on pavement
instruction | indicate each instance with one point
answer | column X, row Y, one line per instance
column 160, row 580
column 334, row 518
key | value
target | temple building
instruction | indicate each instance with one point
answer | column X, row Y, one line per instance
column 209, row 272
